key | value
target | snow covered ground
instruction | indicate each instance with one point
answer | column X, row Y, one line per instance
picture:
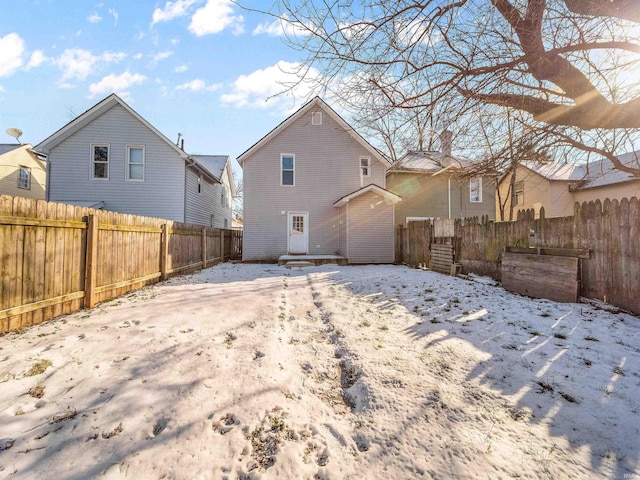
column 377, row 372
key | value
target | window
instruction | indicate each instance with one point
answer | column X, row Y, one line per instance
column 135, row 163
column 100, row 161
column 297, row 224
column 24, row 178
column 200, row 183
column 519, row 193
column 316, row 118
column 213, row 219
column 365, row 168
column 288, row 169
column 222, row 199
column 226, row 224
column 475, row 190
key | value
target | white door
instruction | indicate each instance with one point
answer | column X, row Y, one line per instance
column 298, row 233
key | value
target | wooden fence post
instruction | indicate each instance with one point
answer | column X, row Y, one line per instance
column 164, row 251
column 91, row 262
column 222, row 245
column 204, row 248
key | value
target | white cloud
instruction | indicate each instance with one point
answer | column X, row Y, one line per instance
column 36, row 59
column 214, row 17
column 198, row 85
column 181, row 69
column 280, row 27
column 2, row 90
column 171, row 10
column 94, row 18
column 258, row 89
column 77, row 63
column 174, row 41
column 11, row 50
column 114, row 14
column 116, row 83
column 138, row 56
column 162, row 56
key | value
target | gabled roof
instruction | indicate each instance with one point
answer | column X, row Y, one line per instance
column 7, row 147
column 369, row 188
column 212, row 164
column 566, row 172
column 316, row 102
column 602, row 172
column 430, row 162
column 215, row 165
column 94, row 112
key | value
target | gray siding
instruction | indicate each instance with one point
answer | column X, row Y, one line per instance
column 160, row 195
column 327, row 167
column 200, row 206
column 426, row 196
column 371, row 233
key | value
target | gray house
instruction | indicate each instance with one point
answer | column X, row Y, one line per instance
column 314, row 186
column 110, row 157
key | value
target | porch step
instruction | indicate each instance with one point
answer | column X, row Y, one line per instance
column 299, row 264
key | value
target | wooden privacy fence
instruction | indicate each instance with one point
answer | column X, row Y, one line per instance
column 609, row 231
column 58, row 258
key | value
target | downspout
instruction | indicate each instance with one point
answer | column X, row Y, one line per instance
column 184, row 197
column 449, row 194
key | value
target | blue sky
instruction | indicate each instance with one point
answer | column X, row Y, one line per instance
column 204, row 68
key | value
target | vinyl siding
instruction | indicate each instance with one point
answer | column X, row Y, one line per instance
column 10, row 164
column 612, row 192
column 539, row 192
column 200, row 206
column 371, row 233
column 426, row 196
column 327, row 167
column 161, row 194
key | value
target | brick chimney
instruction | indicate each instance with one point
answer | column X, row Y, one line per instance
column 446, row 138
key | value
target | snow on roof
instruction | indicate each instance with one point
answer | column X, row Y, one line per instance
column 558, row 171
column 594, row 174
column 426, row 161
column 603, row 172
column 213, row 164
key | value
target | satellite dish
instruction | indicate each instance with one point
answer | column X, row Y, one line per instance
column 15, row 132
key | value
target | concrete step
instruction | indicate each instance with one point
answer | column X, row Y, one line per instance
column 299, row 264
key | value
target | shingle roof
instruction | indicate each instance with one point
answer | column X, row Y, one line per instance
column 603, row 172
column 213, row 164
column 427, row 161
column 570, row 172
column 7, row 147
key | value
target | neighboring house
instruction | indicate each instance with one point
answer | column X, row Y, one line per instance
column 237, row 224
column 557, row 187
column 23, row 171
column 437, row 185
column 314, row 186
column 110, row 157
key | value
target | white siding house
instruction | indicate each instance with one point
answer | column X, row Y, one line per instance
column 112, row 158
column 314, row 186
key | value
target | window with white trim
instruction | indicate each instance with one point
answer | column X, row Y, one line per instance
column 287, row 167
column 24, row 178
column 100, row 161
column 475, row 190
column 365, row 166
column 200, row 183
column 316, row 118
column 222, row 199
column 135, row 163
